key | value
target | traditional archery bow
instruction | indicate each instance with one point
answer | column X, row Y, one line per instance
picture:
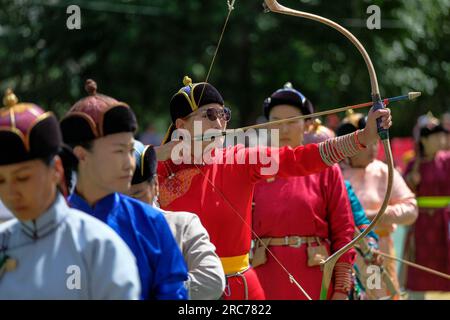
column 328, row 264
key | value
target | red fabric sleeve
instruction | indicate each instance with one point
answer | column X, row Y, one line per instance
column 265, row 162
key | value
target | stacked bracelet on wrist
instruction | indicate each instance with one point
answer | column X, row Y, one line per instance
column 337, row 149
column 343, row 277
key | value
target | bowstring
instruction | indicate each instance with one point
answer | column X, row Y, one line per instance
column 230, row 4
column 292, row 279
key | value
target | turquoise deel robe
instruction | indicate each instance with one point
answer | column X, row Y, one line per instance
column 66, row 254
column 361, row 220
column 161, row 265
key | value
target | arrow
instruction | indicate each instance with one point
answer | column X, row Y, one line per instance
column 410, row 96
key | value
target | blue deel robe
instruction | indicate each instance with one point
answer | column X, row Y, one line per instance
column 161, row 265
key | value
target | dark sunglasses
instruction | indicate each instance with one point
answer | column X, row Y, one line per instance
column 214, row 113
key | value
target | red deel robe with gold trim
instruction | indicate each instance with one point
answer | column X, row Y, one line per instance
column 221, row 191
column 312, row 206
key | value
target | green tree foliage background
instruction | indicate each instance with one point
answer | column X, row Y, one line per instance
column 139, row 51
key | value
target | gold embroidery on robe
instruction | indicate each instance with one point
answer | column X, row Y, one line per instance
column 176, row 186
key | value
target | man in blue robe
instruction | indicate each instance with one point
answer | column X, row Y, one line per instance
column 100, row 130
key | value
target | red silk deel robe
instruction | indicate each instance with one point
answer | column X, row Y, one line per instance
column 312, row 206
column 221, row 195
